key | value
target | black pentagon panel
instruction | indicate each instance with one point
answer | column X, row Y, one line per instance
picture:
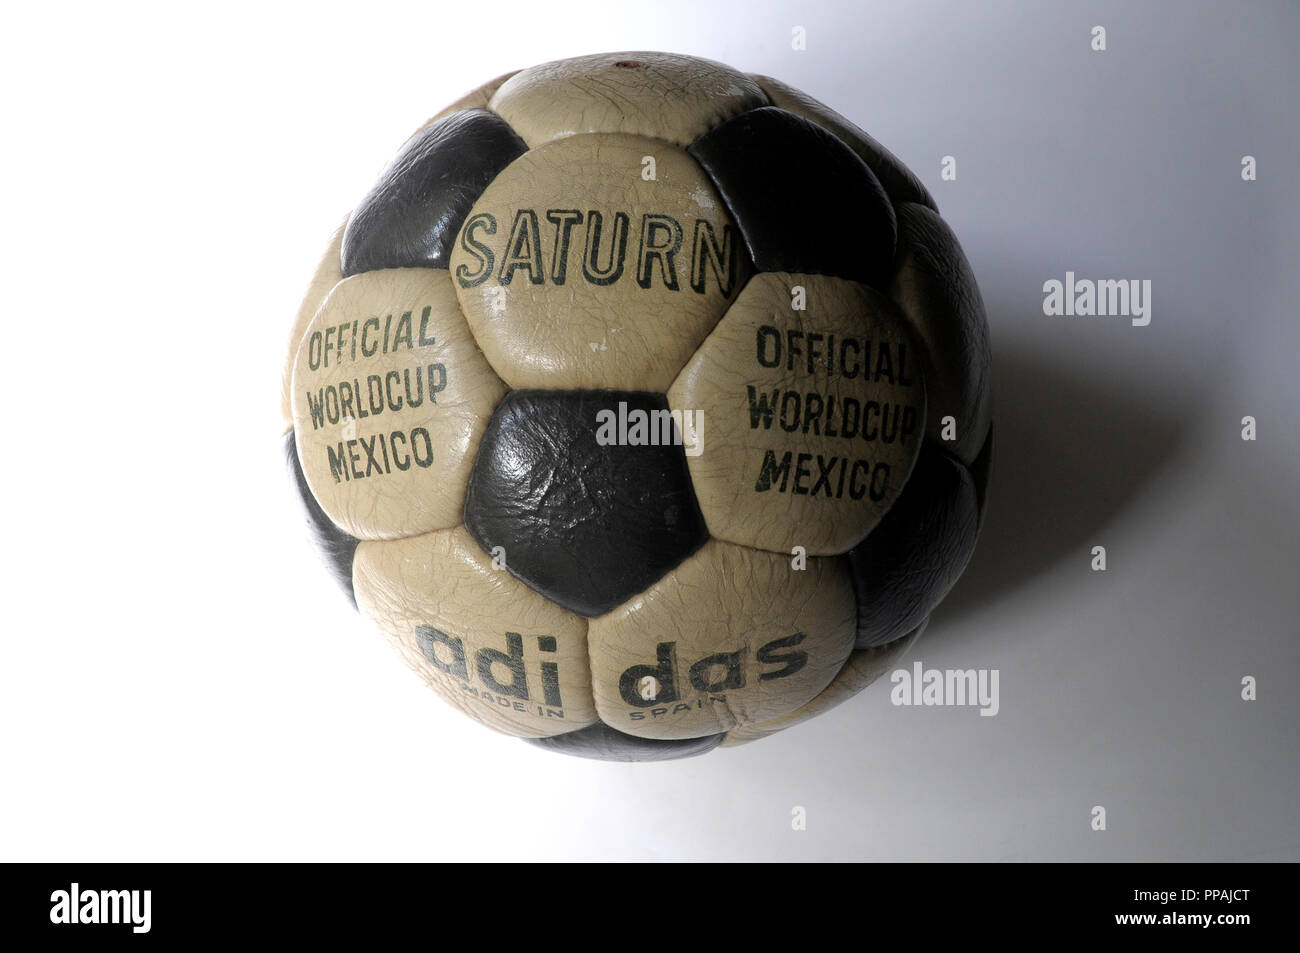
column 939, row 294
column 907, row 564
column 411, row 217
column 336, row 547
column 588, row 525
column 900, row 183
column 803, row 200
column 600, row 742
column 979, row 471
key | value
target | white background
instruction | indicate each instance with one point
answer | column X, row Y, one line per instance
column 180, row 679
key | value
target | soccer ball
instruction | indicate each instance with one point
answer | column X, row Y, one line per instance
column 643, row 404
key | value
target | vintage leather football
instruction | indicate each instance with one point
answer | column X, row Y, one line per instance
column 644, row 405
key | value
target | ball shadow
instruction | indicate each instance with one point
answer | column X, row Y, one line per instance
column 1071, row 449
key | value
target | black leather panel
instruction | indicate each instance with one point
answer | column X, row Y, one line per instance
column 907, row 564
column 336, row 547
column 804, row 201
column 936, row 289
column 899, row 182
column 979, row 471
column 411, row 217
column 586, row 525
column 600, row 742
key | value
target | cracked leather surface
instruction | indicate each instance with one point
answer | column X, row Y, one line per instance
column 600, row 742
column 730, row 637
column 644, row 93
column 863, row 667
column 485, row 642
column 577, row 206
column 584, row 524
column 388, row 439
column 936, row 289
column 412, row 215
column 328, row 273
column 626, row 602
column 477, row 98
column 825, row 496
column 335, row 546
column 899, row 182
column 979, row 471
column 836, row 222
column 910, row 561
